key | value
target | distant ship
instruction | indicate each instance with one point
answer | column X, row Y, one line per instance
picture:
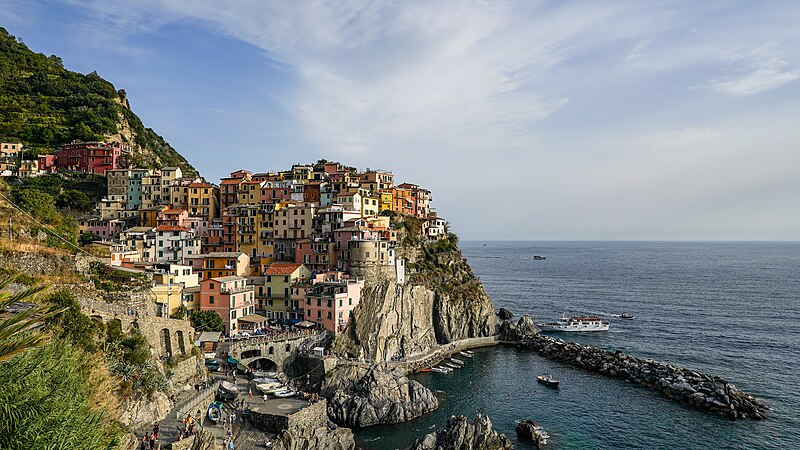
column 539, row 257
column 575, row 324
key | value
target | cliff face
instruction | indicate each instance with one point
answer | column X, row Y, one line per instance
column 360, row 397
column 459, row 433
column 441, row 301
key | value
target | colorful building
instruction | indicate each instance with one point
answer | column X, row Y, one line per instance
column 331, row 303
column 231, row 298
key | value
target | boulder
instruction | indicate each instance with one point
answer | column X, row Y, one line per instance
column 321, row 437
column 529, row 431
column 360, row 397
column 505, row 314
column 459, row 433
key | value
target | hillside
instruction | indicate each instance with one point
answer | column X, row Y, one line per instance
column 44, row 105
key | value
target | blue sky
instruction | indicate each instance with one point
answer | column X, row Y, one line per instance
column 527, row 120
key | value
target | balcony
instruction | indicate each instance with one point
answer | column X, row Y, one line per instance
column 236, row 290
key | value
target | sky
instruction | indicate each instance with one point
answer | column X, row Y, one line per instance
column 529, row 120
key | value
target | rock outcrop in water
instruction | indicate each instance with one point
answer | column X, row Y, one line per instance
column 707, row 392
column 514, row 332
column 529, row 431
column 441, row 301
column 360, row 397
column 459, row 433
column 319, row 437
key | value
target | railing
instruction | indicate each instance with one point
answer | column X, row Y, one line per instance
column 236, row 290
column 200, row 401
column 240, row 343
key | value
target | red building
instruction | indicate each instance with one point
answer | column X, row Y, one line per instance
column 92, row 157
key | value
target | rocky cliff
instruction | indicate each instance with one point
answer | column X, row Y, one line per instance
column 360, row 397
column 441, row 301
column 459, row 433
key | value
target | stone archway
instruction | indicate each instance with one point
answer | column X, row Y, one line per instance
column 181, row 345
column 251, row 353
column 166, row 343
column 263, row 364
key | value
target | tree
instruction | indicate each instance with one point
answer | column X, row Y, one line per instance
column 18, row 332
column 207, row 321
column 88, row 237
column 74, row 200
column 38, row 204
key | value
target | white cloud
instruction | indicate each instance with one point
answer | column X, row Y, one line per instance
column 770, row 75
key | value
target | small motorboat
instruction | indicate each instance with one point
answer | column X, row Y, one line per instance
column 229, row 387
column 427, row 369
column 453, row 365
column 444, row 368
column 439, row 370
column 264, row 380
column 539, row 257
column 548, row 380
column 467, row 353
column 215, row 411
column 275, row 389
column 627, row 316
column 232, row 361
column 457, row 361
column 284, row 393
column 264, row 374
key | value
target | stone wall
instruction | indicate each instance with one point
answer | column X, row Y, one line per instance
column 281, row 351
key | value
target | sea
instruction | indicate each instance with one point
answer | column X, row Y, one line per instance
column 724, row 308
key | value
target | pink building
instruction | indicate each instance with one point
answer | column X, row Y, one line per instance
column 233, row 300
column 331, row 303
column 105, row 228
column 172, row 217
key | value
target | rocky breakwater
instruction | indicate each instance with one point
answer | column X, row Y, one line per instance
column 460, row 433
column 310, row 428
column 439, row 301
column 706, row 392
column 360, row 397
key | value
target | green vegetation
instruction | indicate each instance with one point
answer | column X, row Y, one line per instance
column 15, row 331
column 109, row 279
column 43, row 105
column 74, row 200
column 53, row 398
column 207, row 321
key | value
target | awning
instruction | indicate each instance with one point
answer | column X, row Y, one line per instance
column 253, row 318
column 209, row 336
column 294, row 321
column 306, row 324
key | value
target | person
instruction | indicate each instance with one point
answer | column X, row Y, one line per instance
column 230, row 444
column 152, row 442
column 155, row 429
column 144, row 445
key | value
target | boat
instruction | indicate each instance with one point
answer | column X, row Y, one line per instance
column 453, row 365
column 628, row 316
column 439, row 370
column 215, row 411
column 427, row 369
column 445, row 368
column 547, row 379
column 457, row 361
column 285, row 393
column 264, row 380
column 267, row 387
column 275, row 389
column 227, row 386
column 467, row 353
column 575, row 324
column 264, row 374
column 539, row 257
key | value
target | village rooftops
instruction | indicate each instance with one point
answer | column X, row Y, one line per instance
column 282, row 268
column 171, row 228
column 138, row 230
column 224, row 254
column 230, row 278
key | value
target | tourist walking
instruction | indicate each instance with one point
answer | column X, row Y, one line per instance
column 144, row 444
column 152, row 442
column 155, row 429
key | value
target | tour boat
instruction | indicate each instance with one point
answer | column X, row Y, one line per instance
column 575, row 324
column 467, row 353
column 215, row 411
column 628, row 316
column 438, row 370
column 548, row 380
column 285, row 393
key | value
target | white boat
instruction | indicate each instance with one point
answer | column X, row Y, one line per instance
column 264, row 380
column 438, row 370
column 467, row 353
column 575, row 324
column 264, row 374
column 445, row 368
column 270, row 387
column 457, row 361
column 453, row 365
column 229, row 387
column 284, row 393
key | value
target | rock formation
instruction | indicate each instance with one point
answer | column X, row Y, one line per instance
column 510, row 331
column 529, row 431
column 360, row 397
column 707, row 392
column 440, row 302
column 320, row 437
column 459, row 434
column 505, row 314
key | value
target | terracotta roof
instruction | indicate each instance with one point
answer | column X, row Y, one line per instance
column 200, row 185
column 282, row 268
column 231, row 181
column 171, row 228
column 173, row 211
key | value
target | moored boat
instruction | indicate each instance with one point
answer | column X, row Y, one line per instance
column 268, row 387
column 215, row 411
column 467, row 353
column 438, row 370
column 427, row 369
column 453, row 365
column 264, row 380
column 284, row 393
column 575, row 324
column 228, row 387
column 547, row 379
column 457, row 361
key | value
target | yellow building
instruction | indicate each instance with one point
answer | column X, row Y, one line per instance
column 276, row 292
column 386, row 200
column 370, row 206
column 148, row 217
column 203, row 201
column 168, row 298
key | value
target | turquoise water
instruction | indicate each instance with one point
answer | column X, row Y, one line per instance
column 731, row 309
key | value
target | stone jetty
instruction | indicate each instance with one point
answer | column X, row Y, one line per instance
column 698, row 390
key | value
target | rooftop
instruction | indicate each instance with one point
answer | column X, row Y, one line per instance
column 171, row 228
column 282, row 268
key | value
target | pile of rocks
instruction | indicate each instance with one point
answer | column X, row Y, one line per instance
column 459, row 433
column 529, row 431
column 707, row 392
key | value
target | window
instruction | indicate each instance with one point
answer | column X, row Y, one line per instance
column 309, row 313
column 330, row 316
column 340, row 302
column 233, row 314
column 211, row 285
column 350, row 301
column 211, row 299
column 319, row 313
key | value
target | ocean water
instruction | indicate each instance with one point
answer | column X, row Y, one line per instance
column 730, row 309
